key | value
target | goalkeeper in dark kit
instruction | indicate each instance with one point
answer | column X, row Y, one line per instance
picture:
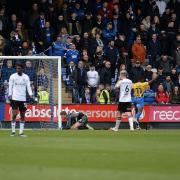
column 76, row 120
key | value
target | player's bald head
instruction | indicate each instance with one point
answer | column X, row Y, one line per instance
column 123, row 73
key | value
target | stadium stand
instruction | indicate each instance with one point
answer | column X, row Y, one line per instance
column 143, row 37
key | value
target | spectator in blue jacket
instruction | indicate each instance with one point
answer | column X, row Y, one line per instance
column 59, row 47
column 7, row 71
column 149, row 96
column 78, row 11
column 72, row 54
column 109, row 32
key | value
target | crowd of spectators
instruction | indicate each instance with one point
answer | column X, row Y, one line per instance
column 96, row 39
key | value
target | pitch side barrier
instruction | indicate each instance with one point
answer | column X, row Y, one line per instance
column 96, row 113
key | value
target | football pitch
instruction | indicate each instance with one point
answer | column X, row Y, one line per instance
column 91, row 155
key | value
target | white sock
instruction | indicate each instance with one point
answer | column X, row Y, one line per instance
column 118, row 122
column 13, row 126
column 21, row 129
column 131, row 124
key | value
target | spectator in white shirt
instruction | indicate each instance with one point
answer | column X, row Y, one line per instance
column 162, row 6
column 92, row 80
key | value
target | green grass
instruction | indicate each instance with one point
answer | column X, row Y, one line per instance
column 87, row 155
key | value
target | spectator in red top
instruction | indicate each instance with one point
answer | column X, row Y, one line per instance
column 106, row 12
column 162, row 97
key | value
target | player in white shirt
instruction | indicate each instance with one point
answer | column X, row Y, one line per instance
column 125, row 86
column 19, row 84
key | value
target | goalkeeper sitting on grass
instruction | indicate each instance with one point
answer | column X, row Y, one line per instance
column 75, row 120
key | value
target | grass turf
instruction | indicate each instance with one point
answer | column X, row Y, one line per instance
column 76, row 155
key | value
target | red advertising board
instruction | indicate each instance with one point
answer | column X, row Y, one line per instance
column 99, row 113
column 95, row 113
column 164, row 114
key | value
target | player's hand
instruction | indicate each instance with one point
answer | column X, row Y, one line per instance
column 154, row 76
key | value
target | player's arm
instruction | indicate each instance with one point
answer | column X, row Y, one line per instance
column 118, row 84
column 154, row 77
column 10, row 87
column 29, row 87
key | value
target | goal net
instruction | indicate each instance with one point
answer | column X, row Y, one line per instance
column 45, row 77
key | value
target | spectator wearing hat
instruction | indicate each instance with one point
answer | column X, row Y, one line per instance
column 138, row 50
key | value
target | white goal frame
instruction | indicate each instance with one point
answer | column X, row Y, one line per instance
column 59, row 77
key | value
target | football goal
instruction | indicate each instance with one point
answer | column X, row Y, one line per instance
column 45, row 76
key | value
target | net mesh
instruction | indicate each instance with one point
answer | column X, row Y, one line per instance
column 43, row 74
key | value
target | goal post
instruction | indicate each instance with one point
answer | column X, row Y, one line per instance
column 52, row 64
